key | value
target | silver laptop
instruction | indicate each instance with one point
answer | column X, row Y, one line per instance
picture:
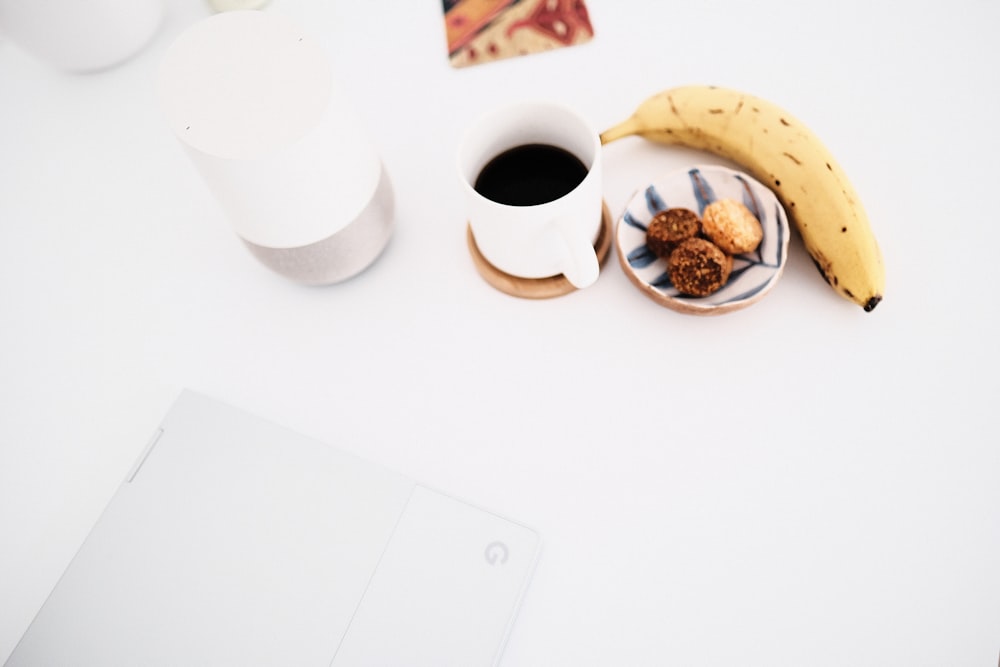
column 233, row 541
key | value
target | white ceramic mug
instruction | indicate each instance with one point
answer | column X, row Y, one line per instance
column 78, row 35
column 253, row 100
column 546, row 239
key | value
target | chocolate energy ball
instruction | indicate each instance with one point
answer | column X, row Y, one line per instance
column 698, row 267
column 731, row 226
column 670, row 227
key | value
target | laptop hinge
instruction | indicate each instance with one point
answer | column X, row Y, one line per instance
column 145, row 454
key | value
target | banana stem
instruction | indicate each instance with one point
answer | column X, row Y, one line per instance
column 624, row 129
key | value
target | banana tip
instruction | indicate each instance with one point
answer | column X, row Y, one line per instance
column 608, row 136
column 623, row 129
column 872, row 302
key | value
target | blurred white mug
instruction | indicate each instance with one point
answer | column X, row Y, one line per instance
column 81, row 35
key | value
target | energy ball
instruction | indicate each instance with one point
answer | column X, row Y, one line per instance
column 731, row 226
column 670, row 227
column 698, row 267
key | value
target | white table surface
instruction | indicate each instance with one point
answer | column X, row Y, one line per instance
column 797, row 483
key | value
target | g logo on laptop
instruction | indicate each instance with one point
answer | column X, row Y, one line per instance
column 496, row 553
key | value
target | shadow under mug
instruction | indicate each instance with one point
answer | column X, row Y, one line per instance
column 254, row 103
column 544, row 239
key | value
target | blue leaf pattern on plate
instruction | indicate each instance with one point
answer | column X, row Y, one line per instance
column 778, row 215
column 736, row 273
column 703, row 192
column 663, row 282
column 631, row 220
column 654, row 202
column 749, row 198
column 749, row 293
column 641, row 257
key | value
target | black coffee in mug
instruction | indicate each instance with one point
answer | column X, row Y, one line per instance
column 530, row 174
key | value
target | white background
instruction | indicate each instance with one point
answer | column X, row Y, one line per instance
column 798, row 483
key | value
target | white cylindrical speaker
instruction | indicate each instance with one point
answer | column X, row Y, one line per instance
column 253, row 100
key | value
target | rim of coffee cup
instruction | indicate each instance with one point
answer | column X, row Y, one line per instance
column 469, row 166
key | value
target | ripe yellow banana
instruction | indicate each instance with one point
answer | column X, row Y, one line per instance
column 782, row 153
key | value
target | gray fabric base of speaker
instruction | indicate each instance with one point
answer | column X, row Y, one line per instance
column 341, row 255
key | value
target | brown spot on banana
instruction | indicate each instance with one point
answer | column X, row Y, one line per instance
column 824, row 270
column 792, row 158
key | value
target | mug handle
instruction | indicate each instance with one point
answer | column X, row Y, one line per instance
column 579, row 262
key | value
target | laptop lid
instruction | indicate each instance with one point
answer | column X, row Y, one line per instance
column 235, row 541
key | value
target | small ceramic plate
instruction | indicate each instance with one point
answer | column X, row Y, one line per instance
column 753, row 274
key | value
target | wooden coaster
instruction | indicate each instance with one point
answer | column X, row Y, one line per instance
column 537, row 288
